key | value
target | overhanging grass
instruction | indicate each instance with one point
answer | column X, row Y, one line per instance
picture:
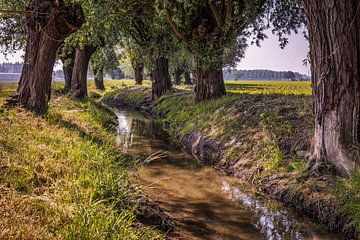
column 62, row 178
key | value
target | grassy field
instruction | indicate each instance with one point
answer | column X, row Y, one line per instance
column 61, row 176
column 269, row 87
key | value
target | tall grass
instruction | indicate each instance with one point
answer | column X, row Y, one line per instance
column 62, row 178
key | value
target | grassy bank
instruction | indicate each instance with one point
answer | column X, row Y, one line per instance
column 262, row 138
column 61, row 176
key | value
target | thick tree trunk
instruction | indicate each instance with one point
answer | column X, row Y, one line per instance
column 67, row 60
column 210, row 83
column 138, row 71
column 79, row 76
column 187, row 78
column 177, row 76
column 335, row 65
column 161, row 81
column 99, row 78
column 48, row 24
column 68, row 70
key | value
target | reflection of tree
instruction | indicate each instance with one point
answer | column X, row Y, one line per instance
column 274, row 222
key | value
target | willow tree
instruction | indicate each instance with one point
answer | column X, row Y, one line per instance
column 67, row 57
column 181, row 64
column 48, row 23
column 334, row 36
column 149, row 30
column 208, row 27
column 104, row 60
column 135, row 54
column 98, row 31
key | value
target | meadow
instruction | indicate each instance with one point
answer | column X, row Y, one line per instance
column 269, row 87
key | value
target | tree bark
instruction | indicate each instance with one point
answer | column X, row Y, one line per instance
column 210, row 82
column 138, row 71
column 187, row 78
column 68, row 70
column 99, row 78
column 335, row 66
column 67, row 60
column 161, row 82
column 48, row 24
column 79, row 76
column 177, row 76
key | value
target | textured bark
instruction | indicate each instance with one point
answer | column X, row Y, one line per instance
column 187, row 78
column 79, row 76
column 68, row 70
column 210, row 83
column 161, row 82
column 99, row 78
column 138, row 70
column 177, row 76
column 48, row 24
column 67, row 60
column 335, row 65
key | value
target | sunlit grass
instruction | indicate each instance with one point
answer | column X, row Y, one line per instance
column 269, row 87
column 61, row 176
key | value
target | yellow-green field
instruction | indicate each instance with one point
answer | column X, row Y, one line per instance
column 249, row 87
column 269, row 87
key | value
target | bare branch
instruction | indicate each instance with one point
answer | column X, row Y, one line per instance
column 216, row 14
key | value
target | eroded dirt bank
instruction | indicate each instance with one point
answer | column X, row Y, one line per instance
column 262, row 139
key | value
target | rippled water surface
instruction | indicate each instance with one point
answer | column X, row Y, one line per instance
column 204, row 203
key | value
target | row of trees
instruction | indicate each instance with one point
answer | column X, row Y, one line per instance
column 10, row 67
column 214, row 32
column 264, row 75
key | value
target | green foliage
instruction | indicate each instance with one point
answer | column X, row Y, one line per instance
column 348, row 191
column 12, row 26
column 105, row 59
column 209, row 28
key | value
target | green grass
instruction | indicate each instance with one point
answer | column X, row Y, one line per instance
column 61, row 176
column 348, row 191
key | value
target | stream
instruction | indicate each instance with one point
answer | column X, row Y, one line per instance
column 205, row 203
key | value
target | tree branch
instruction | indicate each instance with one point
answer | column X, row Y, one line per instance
column 216, row 14
column 176, row 30
column 229, row 9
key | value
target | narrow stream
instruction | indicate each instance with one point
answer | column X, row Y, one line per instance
column 204, row 203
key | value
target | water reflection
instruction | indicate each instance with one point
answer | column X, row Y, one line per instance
column 206, row 204
column 273, row 222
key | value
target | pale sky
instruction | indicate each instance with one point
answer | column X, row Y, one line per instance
column 269, row 56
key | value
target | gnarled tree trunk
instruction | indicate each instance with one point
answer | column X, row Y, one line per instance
column 138, row 71
column 99, row 78
column 335, row 66
column 48, row 24
column 210, row 82
column 187, row 78
column 67, row 59
column 161, row 82
column 79, row 76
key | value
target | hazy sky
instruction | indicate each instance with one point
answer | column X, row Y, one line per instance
column 268, row 56
column 271, row 56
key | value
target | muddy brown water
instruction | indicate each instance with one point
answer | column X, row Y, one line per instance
column 204, row 203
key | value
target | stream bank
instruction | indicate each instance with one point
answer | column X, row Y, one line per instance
column 261, row 139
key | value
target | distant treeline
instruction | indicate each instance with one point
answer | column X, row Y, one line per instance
column 264, row 75
column 11, row 67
